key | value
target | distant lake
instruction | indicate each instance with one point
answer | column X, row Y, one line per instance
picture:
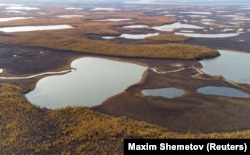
column 222, row 91
column 13, row 18
column 199, row 35
column 33, row 28
column 138, row 36
column 135, row 26
column 112, row 20
column 93, row 81
column 177, row 25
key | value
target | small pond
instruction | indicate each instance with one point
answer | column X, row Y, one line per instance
column 168, row 93
column 222, row 91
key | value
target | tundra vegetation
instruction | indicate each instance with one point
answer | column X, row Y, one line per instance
column 28, row 129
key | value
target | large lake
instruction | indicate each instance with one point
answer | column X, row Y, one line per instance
column 93, row 81
column 97, row 79
column 231, row 65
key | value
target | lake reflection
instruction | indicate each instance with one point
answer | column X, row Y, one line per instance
column 164, row 92
column 93, row 81
column 222, row 91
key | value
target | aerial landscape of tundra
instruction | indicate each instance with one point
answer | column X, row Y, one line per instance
column 80, row 76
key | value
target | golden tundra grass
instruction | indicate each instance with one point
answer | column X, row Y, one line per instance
column 27, row 129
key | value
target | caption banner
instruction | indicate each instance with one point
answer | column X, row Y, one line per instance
column 163, row 146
